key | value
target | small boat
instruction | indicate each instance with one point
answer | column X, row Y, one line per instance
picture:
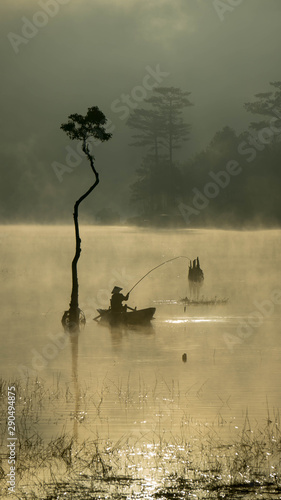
column 133, row 317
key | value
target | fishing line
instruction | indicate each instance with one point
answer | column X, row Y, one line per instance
column 156, row 267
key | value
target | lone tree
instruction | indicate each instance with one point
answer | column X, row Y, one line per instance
column 161, row 124
column 169, row 102
column 82, row 128
column 151, row 130
column 160, row 130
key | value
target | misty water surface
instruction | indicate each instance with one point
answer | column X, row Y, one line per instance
column 137, row 375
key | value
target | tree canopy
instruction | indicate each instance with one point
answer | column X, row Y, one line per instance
column 268, row 105
column 160, row 130
column 84, row 127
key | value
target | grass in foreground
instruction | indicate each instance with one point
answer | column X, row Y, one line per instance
column 194, row 464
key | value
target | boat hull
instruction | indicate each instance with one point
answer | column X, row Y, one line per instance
column 136, row 317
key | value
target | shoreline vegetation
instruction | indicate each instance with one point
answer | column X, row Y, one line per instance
column 201, row 460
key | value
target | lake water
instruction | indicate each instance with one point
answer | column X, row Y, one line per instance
column 132, row 386
column 132, row 383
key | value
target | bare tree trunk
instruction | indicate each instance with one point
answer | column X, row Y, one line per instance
column 74, row 305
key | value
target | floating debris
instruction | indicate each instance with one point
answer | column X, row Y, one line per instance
column 204, row 302
column 192, row 302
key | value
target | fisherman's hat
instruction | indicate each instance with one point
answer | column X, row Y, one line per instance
column 116, row 289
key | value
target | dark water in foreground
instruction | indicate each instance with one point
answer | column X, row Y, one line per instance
column 131, row 385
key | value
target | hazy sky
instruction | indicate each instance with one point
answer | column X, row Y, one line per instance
column 63, row 56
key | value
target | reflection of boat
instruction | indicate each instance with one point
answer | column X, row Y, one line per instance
column 134, row 317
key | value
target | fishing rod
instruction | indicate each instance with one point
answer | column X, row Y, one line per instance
column 156, row 267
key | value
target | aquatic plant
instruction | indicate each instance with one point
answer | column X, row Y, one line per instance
column 200, row 461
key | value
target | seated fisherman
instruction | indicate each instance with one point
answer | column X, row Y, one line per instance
column 117, row 299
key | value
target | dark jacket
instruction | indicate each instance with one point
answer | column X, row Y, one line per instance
column 116, row 302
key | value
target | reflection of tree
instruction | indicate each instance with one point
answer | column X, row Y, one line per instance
column 74, row 359
column 83, row 128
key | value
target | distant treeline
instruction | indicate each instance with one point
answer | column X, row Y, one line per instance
column 234, row 181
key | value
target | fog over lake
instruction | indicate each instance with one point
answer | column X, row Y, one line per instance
column 157, row 125
column 233, row 349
